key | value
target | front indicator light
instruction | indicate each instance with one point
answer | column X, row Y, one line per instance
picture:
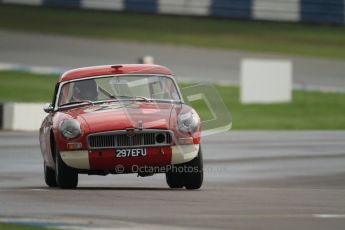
column 74, row 146
column 186, row 141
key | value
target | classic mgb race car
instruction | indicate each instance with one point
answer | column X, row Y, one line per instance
column 120, row 119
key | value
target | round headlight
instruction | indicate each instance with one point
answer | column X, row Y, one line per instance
column 70, row 128
column 188, row 122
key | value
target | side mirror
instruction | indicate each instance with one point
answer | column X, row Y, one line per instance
column 48, row 108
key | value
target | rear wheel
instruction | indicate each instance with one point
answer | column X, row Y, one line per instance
column 189, row 175
column 66, row 177
column 49, row 176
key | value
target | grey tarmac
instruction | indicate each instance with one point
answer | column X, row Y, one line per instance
column 189, row 63
column 253, row 180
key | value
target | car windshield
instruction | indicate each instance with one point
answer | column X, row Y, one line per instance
column 120, row 87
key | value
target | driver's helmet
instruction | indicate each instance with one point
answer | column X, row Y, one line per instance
column 85, row 90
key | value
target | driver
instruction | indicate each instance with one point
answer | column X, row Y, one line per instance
column 85, row 90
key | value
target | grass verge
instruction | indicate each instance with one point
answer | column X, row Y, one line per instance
column 25, row 87
column 308, row 110
column 284, row 38
column 5, row 226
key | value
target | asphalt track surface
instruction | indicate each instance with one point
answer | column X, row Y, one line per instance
column 253, row 180
column 188, row 63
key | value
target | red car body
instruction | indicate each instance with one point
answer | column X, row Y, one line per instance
column 65, row 158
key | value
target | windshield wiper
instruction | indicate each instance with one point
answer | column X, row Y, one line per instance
column 135, row 97
column 106, row 101
column 77, row 102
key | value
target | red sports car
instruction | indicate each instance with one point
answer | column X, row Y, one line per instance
column 120, row 119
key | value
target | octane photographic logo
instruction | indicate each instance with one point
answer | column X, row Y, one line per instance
column 119, row 169
column 204, row 98
column 164, row 169
column 215, row 116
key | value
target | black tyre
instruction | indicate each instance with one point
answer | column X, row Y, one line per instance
column 49, row 176
column 66, row 177
column 189, row 175
column 174, row 179
column 194, row 177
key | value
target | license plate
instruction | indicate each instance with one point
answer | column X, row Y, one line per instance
column 138, row 152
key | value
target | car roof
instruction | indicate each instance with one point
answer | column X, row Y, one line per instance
column 114, row 69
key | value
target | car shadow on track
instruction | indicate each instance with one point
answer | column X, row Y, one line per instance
column 127, row 188
column 105, row 189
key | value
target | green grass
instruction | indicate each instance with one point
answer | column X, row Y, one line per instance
column 308, row 110
column 4, row 226
column 283, row 38
column 25, row 87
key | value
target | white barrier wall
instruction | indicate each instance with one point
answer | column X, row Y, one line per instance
column 281, row 10
column 184, row 7
column 23, row 116
column 103, row 4
column 265, row 81
column 315, row 11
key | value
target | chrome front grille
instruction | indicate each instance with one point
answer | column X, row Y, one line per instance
column 126, row 139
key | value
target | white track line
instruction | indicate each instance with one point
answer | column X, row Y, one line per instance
column 329, row 216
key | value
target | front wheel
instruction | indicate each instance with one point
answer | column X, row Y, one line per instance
column 66, row 177
column 49, row 176
column 174, row 180
column 189, row 175
column 194, row 179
